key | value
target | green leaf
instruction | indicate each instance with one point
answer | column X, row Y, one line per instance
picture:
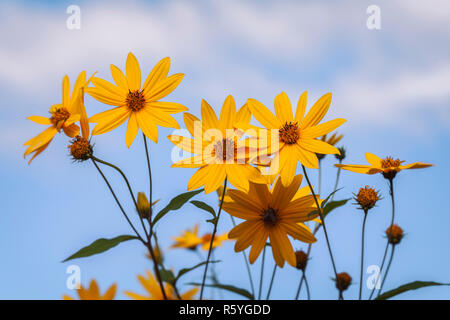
column 204, row 206
column 409, row 286
column 99, row 246
column 176, row 203
column 186, row 270
column 328, row 198
column 167, row 276
column 230, row 288
column 330, row 206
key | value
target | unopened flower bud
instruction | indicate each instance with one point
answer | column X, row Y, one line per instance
column 343, row 281
column 394, row 234
column 143, row 205
column 302, row 259
column 341, row 156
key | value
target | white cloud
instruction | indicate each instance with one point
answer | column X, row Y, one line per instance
column 249, row 49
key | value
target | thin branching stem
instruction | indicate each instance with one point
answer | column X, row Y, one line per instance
column 212, row 239
column 261, row 277
column 362, row 254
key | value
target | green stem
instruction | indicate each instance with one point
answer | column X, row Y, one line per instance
column 117, row 201
column 246, row 262
column 307, row 286
column 387, row 269
column 338, row 175
column 271, row 281
column 362, row 254
column 319, row 189
column 323, row 221
column 299, row 287
column 212, row 239
column 262, row 272
column 391, row 192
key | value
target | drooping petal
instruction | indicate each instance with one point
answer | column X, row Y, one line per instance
column 71, row 130
column 148, row 126
column 259, row 243
column 132, row 129
column 283, row 108
column 66, row 92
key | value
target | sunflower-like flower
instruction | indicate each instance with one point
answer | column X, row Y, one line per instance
column 154, row 290
column 188, row 240
column 297, row 135
column 218, row 240
column 93, row 292
column 387, row 166
column 138, row 103
column 272, row 213
column 62, row 117
column 219, row 150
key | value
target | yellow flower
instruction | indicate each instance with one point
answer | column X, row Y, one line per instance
column 297, row 135
column 189, row 239
column 62, row 116
column 220, row 152
column 387, row 166
column 272, row 213
column 218, row 239
column 333, row 140
column 154, row 290
column 93, row 293
column 138, row 103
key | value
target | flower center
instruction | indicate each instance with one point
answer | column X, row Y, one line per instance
column 58, row 115
column 289, row 133
column 389, row 162
column 224, row 149
column 367, row 198
column 270, row 216
column 135, row 100
column 80, row 149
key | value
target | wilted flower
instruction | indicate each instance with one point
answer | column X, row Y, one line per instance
column 394, row 234
column 302, row 259
column 343, row 281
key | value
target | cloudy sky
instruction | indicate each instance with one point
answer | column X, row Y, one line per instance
column 392, row 85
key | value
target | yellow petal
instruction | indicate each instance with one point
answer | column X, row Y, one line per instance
column 148, row 126
column 263, row 115
column 40, row 120
column 66, row 92
column 258, row 244
column 119, row 79
column 158, row 73
column 301, row 108
column 169, row 107
column 228, row 114
column 191, row 122
column 209, row 118
column 322, row 129
column 163, row 119
column 133, row 73
column 110, row 293
column 317, row 146
column 299, row 233
column 373, row 159
column 108, row 114
column 359, row 168
column 113, row 91
column 283, row 194
column 239, row 175
column 110, row 123
column 307, row 158
column 283, row 108
column 103, row 96
column 317, row 112
column 289, row 168
column 243, row 115
column 164, row 87
column 132, row 129
column 416, row 165
column 71, row 130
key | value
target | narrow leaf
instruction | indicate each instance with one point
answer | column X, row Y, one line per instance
column 328, row 198
column 167, row 276
column 186, row 270
column 204, row 206
column 239, row 291
column 176, row 203
column 330, row 206
column 407, row 287
column 99, row 246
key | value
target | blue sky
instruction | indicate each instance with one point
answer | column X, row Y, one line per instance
column 390, row 84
